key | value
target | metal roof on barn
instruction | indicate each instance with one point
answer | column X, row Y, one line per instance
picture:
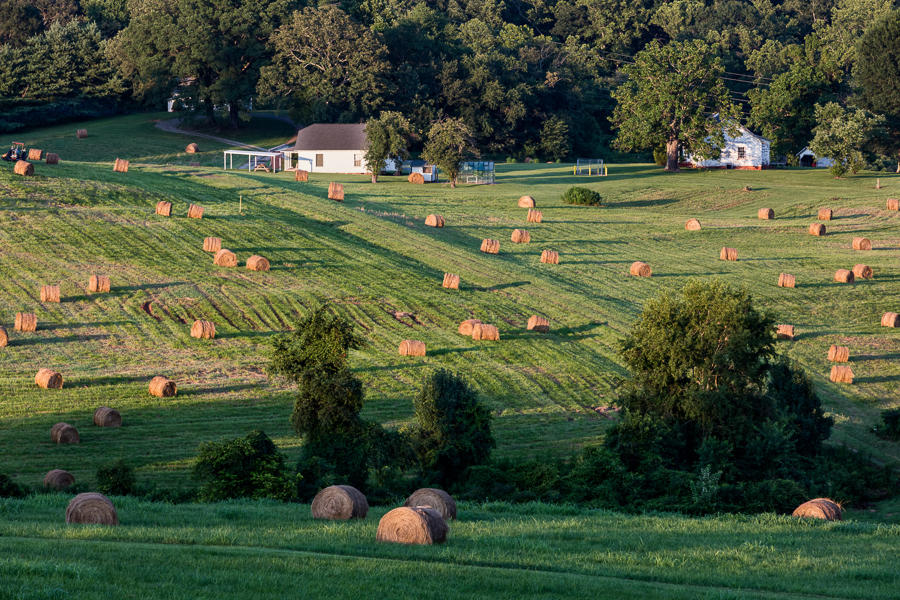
column 332, row 136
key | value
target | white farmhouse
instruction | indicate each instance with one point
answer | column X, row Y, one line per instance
column 330, row 148
column 744, row 151
column 808, row 158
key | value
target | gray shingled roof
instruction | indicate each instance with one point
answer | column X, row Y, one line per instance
column 332, row 136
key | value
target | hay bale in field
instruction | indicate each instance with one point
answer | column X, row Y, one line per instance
column 416, row 178
column 81, row 133
column 819, row 508
column 434, row 221
column 258, row 263
column 26, row 322
column 551, row 257
column 49, row 293
column 24, row 168
column 890, row 319
column 692, row 225
column 58, row 480
column 164, row 208
column 527, row 202
column 787, row 280
column 63, row 433
column 205, row 330
column 534, row 216
column 765, row 213
column 301, row 175
column 838, row 353
column 861, row 243
column 489, row 246
column 483, row 331
column 195, row 212
column 640, row 269
column 34, row 154
column 98, row 284
column 225, row 258
column 451, row 281
column 862, row 271
column 212, row 244
column 4, row 337
column 785, row 332
column 192, row 148
column 433, row 498
column 520, row 236
column 92, row 508
column 412, row 525
column 107, row 417
column 893, row 204
column 539, row 324
column 465, row 328
column 825, row 214
column 412, row 348
column 817, row 229
column 336, row 191
column 844, row 276
column 52, row 158
column 340, row 502
column 120, row 166
column 162, row 387
column 727, row 254
column 48, row 379
column 841, row 374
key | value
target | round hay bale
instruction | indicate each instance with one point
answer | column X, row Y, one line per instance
column 120, row 166
column 765, row 213
column 24, row 168
column 162, row 387
column 192, row 148
column 52, row 158
column 225, row 258
column 451, row 281
column 26, row 322
column 416, row 178
column 890, row 319
column 527, row 202
column 107, row 417
column 336, row 191
column 844, row 276
column 339, row 502
column 465, row 328
column 58, row 480
column 861, row 243
column 893, row 204
column 81, row 133
column 195, row 212
column 212, row 244
column 205, row 330
column 98, row 284
column 692, row 225
column 817, row 229
column 785, row 332
column 412, row 348
column 4, row 337
column 640, row 269
column 164, row 208
column 91, row 508
column 862, row 271
column 520, row 236
column 539, row 324
column 434, row 498
column 483, row 331
column 49, row 293
column 838, row 353
column 819, row 508
column 534, row 216
column 727, row 254
column 301, row 175
column 489, row 246
column 551, row 257
column 48, row 379
column 258, row 263
column 434, row 221
column 787, row 280
column 825, row 214
column 34, row 154
column 63, row 433
column 412, row 525
column 841, row 374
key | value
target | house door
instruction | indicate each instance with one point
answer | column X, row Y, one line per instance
column 807, row 160
column 320, row 160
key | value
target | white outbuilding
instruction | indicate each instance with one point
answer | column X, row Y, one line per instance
column 808, row 158
column 746, row 150
column 331, row 148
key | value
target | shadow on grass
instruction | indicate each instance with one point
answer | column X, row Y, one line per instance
column 494, row 288
column 862, row 357
column 877, row 379
column 219, row 389
column 107, row 380
column 80, row 325
column 444, row 351
column 143, row 286
column 814, row 334
column 246, row 334
column 572, row 331
column 58, row 340
column 643, row 203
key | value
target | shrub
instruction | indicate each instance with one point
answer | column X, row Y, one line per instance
column 115, row 479
column 582, row 196
column 11, row 489
column 659, row 156
column 890, row 425
column 247, row 467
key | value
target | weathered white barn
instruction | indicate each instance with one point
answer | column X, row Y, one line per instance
column 808, row 158
column 743, row 151
column 331, row 148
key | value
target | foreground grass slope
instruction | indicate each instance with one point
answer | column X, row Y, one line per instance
column 375, row 260
column 250, row 550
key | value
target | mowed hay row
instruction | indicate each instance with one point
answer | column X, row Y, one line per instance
column 434, row 221
column 825, row 214
column 212, row 244
column 24, row 168
column 862, row 271
column 412, row 348
column 692, row 225
column 195, row 212
column 258, row 263
column 301, row 175
column 520, row 236
column 163, row 208
column 416, row 178
column 787, row 280
column 412, row 525
column 120, row 166
column 58, row 479
column 539, row 324
column 63, row 433
column 434, row 498
column 52, row 158
column 192, row 148
column 26, row 322
column 893, row 204
column 204, row 330
column 107, row 417
column 784, row 332
column 339, row 503
column 163, row 387
column 48, row 379
column 819, row 508
column 534, row 216
column 225, row 258
column 451, row 281
column 861, row 243
column 817, row 229
column 890, row 319
column 765, row 213
column 640, row 269
column 98, row 284
column 550, row 257
column 526, row 202
column 49, row 293
column 841, row 374
column 727, row 254
column 4, row 337
column 81, row 133
column 92, row 508
column 838, row 353
column 34, row 154
column 483, row 331
column 336, row 191
column 844, row 276
column 465, row 328
column 489, row 246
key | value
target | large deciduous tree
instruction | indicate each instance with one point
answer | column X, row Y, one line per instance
column 449, row 142
column 842, row 134
column 669, row 97
column 387, row 136
column 877, row 74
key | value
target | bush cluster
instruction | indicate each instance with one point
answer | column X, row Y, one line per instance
column 582, row 196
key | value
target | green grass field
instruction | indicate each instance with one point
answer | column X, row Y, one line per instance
column 373, row 257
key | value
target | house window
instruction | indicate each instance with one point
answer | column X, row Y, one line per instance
column 742, row 152
column 357, row 160
column 320, row 160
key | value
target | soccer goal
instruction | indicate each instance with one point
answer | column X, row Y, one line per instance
column 589, row 166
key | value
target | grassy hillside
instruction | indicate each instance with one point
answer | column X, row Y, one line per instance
column 253, row 550
column 375, row 260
